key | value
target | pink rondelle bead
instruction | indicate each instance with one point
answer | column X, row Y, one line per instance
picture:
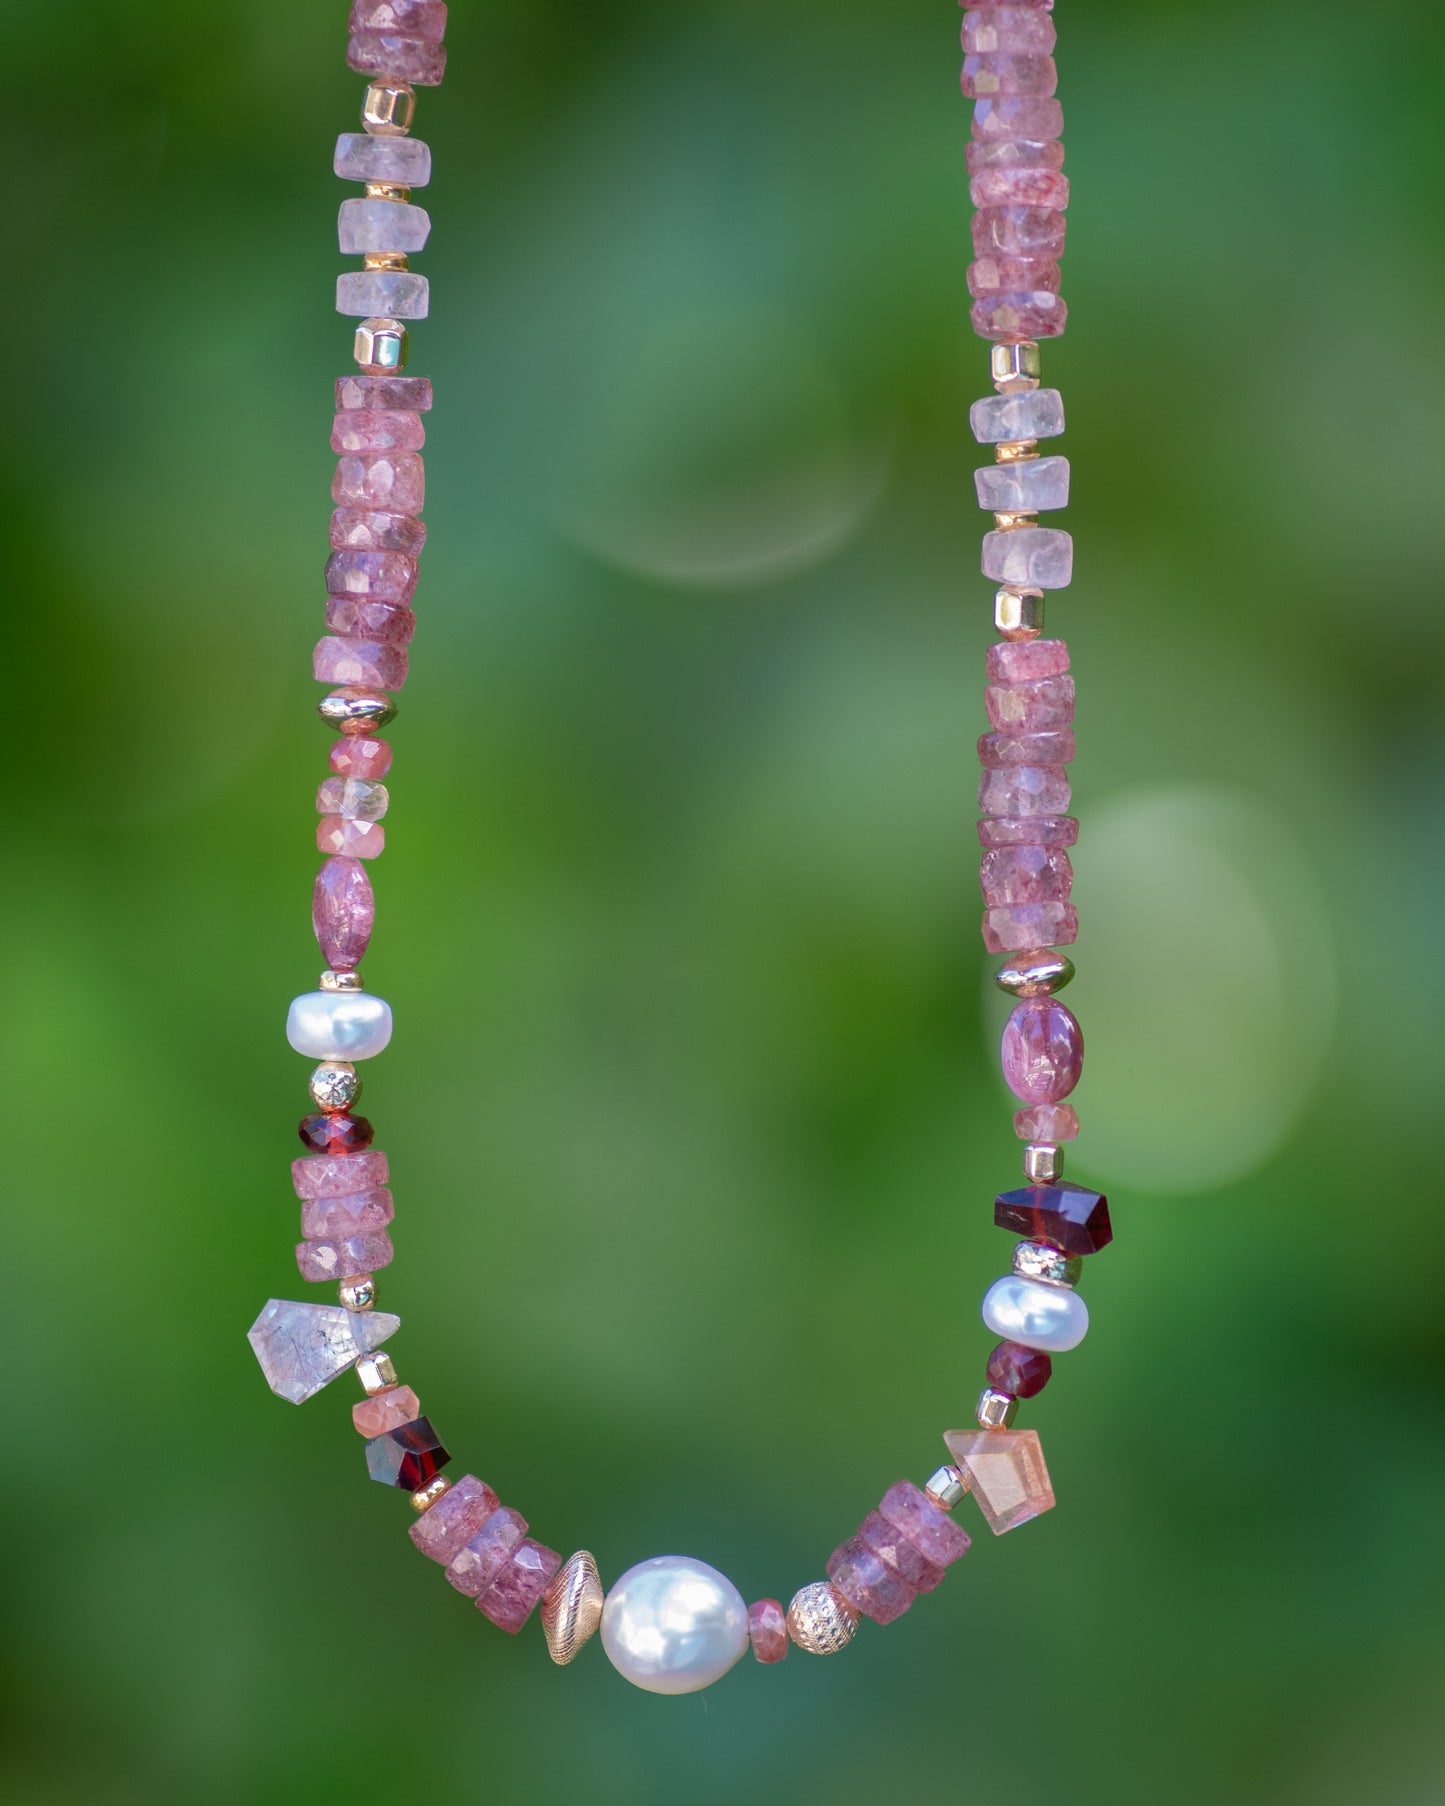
column 510, row 1599
column 1011, row 875
column 1012, row 153
column 359, row 618
column 343, row 908
column 1018, row 927
column 1042, row 1051
column 385, row 1411
column 1013, row 28
column 1047, row 1122
column 349, row 838
column 359, row 662
column 928, row 1527
column 1024, row 314
column 408, row 394
column 768, row 1630
column 1026, row 661
column 394, row 482
column 367, row 530
column 339, row 1175
column 1036, row 232
column 1009, row 275
column 357, row 757
column 1054, row 748
column 401, row 59
column 1018, row 116
column 319, row 1261
column 1024, row 790
column 1016, row 188
column 338, row 1219
column 380, row 576
column 1034, row 708
column 895, row 1551
column 367, row 430
column 458, row 1514
column 417, row 18
column 478, row 1562
column 1028, row 831
column 1001, row 74
column 868, row 1584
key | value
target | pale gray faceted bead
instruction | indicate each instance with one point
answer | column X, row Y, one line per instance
column 1032, row 557
column 381, row 226
column 398, row 294
column 1023, row 488
column 302, row 1347
column 404, row 162
column 1033, row 414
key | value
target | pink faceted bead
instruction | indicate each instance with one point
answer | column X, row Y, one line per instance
column 928, row 1527
column 1012, row 153
column 1018, row 927
column 394, row 482
column 365, row 530
column 1046, row 1122
column 867, row 1583
column 511, row 1598
column 1015, row 188
column 408, row 394
column 1042, row 1051
column 895, row 1551
column 1010, row 275
column 359, row 618
column 1024, row 314
column 1012, row 28
column 370, row 430
column 1018, row 116
column 1028, row 831
column 1025, row 875
column 354, row 756
column 354, row 798
column 361, row 662
column 417, row 18
column 1025, row 661
column 478, row 1562
column 337, row 1219
column 385, row 1411
column 400, row 59
column 1036, row 232
column 320, row 1261
column 381, row 576
column 1030, row 708
column 1024, row 790
column 768, row 1630
column 339, row 1175
column 1055, row 748
column 349, row 838
column 458, row 1514
column 987, row 75
column 343, row 910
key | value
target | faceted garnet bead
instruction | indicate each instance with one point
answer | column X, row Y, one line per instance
column 338, row 1133
column 1042, row 1051
column 407, row 1456
column 1005, row 1472
column 1012, row 1368
column 519, row 1585
column 1070, row 1216
column 768, row 1630
column 458, row 1514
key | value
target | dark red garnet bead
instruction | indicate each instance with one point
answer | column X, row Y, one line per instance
column 1019, row 1371
column 1070, row 1216
column 338, row 1134
column 407, row 1456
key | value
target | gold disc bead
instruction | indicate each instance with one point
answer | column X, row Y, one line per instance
column 388, row 109
column 426, row 1496
column 1015, row 367
column 387, row 191
column 1011, row 523
column 996, row 1410
column 572, row 1606
column 1018, row 614
column 821, row 1620
column 381, row 346
column 384, row 260
column 1035, row 974
column 1015, row 451
column 340, row 981
column 354, row 709
column 1043, row 1163
column 358, row 1293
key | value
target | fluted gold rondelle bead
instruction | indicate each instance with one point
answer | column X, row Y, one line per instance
column 572, row 1606
column 1018, row 614
column 426, row 1496
column 335, row 1085
column 946, row 1486
column 381, row 346
column 820, row 1619
column 996, row 1410
column 1043, row 1162
column 1015, row 367
column 377, row 1373
column 358, row 1293
column 388, row 109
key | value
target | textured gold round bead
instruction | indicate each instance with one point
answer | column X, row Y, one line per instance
column 820, row 1619
column 335, row 1085
column 572, row 1606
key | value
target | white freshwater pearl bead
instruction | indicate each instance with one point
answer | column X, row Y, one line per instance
column 1038, row 1316
column 674, row 1625
column 338, row 1025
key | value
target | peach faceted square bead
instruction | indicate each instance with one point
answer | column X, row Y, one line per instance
column 1005, row 1472
column 386, row 1411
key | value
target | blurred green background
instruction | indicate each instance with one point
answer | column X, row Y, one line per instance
column 693, row 1108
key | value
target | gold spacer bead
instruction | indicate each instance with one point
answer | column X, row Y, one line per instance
column 1018, row 614
column 1015, row 367
column 946, row 1486
column 1011, row 523
column 376, row 1373
column 387, row 191
column 385, row 260
column 388, row 108
column 1043, row 1162
column 426, row 1496
column 996, row 1410
column 1015, row 451
column 1037, row 973
column 357, row 1293
column 380, row 346
column 340, row 981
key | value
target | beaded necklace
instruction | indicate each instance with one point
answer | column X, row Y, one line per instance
column 674, row 1624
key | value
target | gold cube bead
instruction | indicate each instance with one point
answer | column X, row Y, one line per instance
column 376, row 1373
column 384, row 260
column 1015, row 451
column 1018, row 614
column 357, row 1293
column 381, row 347
column 1043, row 1163
column 1015, row 367
column 1010, row 523
column 996, row 1410
column 386, row 191
column 388, row 109
column 946, row 1486
column 426, row 1496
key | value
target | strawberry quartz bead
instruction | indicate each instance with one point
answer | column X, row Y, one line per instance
column 339, row 1219
column 358, row 757
column 478, row 1562
column 366, row 431
column 379, row 576
column 768, row 1630
column 408, row 394
column 868, row 1584
column 1047, row 1122
column 350, row 839
column 1020, row 927
column 1053, row 748
column 1011, row 790
column 999, row 73
column 374, row 530
column 325, row 1133
column 323, row 1260
column 1013, row 275
column 1042, row 1051
column 1012, row 28
column 399, row 59
column 327, row 1176
column 1028, row 830
column 1025, row 875
column 1036, row 232
column 1012, row 153
column 511, row 1598
column 366, row 663
column 357, row 618
column 417, row 18
column 1017, row 116
column 1018, row 188
column 394, row 482
column 925, row 1526
column 1019, row 1371
column 1025, row 661
column 1030, row 708
column 459, row 1513
column 343, row 905
column 1023, row 314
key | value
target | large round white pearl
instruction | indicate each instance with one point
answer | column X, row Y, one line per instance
column 338, row 1025
column 673, row 1625
column 1048, row 1317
